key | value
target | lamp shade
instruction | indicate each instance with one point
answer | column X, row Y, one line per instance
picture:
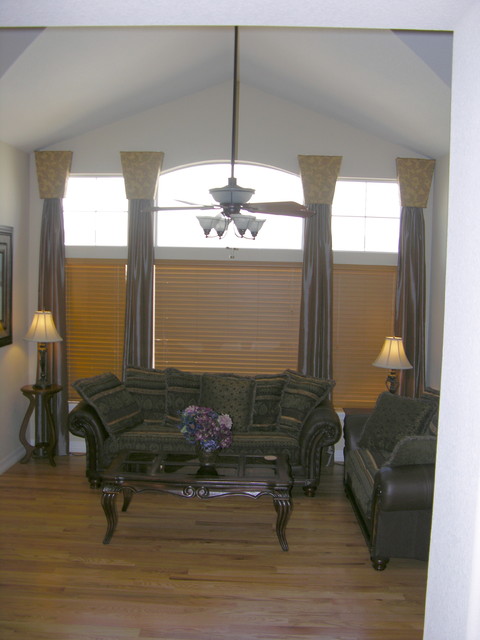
column 242, row 222
column 254, row 226
column 43, row 328
column 392, row 355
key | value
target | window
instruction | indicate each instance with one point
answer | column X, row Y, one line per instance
column 191, row 184
column 365, row 214
column 95, row 317
column 95, row 212
column 215, row 315
column 363, row 314
column 239, row 317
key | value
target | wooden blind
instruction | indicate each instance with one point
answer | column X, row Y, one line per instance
column 236, row 317
column 227, row 317
column 95, row 317
column 364, row 303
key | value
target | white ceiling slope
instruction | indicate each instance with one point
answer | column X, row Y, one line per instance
column 58, row 83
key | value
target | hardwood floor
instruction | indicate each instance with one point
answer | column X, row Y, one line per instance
column 181, row 569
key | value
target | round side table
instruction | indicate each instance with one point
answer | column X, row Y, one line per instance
column 40, row 398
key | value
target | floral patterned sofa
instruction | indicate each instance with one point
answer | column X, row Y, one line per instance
column 285, row 413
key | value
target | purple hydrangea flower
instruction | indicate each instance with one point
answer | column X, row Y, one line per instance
column 205, row 427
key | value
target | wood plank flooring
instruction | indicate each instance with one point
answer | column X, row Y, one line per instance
column 179, row 569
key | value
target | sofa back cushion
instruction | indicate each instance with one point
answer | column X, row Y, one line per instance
column 228, row 393
column 183, row 390
column 116, row 407
column 393, row 418
column 266, row 405
column 301, row 394
column 149, row 388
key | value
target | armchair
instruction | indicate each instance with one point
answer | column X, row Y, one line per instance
column 389, row 475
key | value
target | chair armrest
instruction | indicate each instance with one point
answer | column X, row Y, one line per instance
column 353, row 426
column 413, row 450
column 404, row 488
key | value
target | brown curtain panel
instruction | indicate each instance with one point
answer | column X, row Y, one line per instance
column 53, row 168
column 319, row 176
column 410, row 299
column 140, row 172
column 138, row 345
column 415, row 178
column 315, row 335
column 51, row 297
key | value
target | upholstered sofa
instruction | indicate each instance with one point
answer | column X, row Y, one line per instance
column 389, row 475
column 272, row 414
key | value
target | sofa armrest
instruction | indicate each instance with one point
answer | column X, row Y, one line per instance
column 413, row 450
column 404, row 488
column 323, row 421
column 83, row 421
column 321, row 428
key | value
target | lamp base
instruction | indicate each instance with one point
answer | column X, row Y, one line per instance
column 42, row 382
column 392, row 381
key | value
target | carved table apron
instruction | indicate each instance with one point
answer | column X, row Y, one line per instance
column 243, row 475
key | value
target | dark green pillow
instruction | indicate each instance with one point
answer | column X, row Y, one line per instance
column 393, row 418
column 227, row 393
column 266, row 405
column 149, row 388
column 301, row 394
column 183, row 390
column 115, row 406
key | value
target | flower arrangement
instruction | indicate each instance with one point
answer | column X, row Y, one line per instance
column 206, row 428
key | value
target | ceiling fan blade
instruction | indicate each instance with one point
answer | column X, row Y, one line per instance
column 279, row 209
column 199, row 207
column 192, row 204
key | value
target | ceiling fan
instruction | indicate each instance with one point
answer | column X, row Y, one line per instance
column 232, row 200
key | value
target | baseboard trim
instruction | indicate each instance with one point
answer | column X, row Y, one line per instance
column 11, row 459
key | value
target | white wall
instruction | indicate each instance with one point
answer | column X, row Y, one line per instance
column 197, row 129
column 436, row 266
column 14, row 202
column 453, row 595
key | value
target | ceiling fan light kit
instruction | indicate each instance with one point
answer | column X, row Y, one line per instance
column 219, row 225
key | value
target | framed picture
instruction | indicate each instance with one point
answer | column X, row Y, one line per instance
column 6, row 237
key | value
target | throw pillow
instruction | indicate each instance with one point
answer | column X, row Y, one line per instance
column 149, row 388
column 393, row 418
column 300, row 396
column 266, row 405
column 227, row 393
column 183, row 390
column 115, row 406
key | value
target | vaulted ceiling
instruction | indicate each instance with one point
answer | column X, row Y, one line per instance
column 57, row 83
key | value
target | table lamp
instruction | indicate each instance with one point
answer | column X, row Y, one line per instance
column 42, row 330
column 393, row 357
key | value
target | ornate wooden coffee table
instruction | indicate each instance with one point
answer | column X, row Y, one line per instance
column 180, row 475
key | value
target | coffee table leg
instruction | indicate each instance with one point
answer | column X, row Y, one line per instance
column 127, row 497
column 109, row 493
column 283, row 507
